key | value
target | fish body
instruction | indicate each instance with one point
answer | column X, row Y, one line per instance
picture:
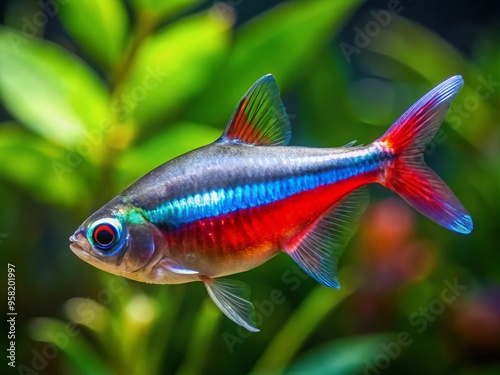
column 245, row 211
column 232, row 205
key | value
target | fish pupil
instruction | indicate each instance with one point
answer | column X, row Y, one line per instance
column 104, row 235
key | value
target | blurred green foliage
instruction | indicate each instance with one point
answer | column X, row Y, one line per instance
column 129, row 85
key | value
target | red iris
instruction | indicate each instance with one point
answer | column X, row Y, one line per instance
column 104, row 235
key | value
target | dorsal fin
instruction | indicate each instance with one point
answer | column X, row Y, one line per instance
column 260, row 117
column 318, row 249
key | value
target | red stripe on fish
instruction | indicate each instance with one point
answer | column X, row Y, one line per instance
column 244, row 239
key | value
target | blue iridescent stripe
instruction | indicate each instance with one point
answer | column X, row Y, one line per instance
column 223, row 201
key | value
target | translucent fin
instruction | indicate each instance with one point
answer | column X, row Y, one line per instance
column 232, row 298
column 260, row 117
column 418, row 125
column 350, row 144
column 408, row 175
column 318, row 250
column 426, row 192
column 172, row 266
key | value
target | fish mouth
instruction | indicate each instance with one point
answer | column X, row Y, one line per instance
column 83, row 250
column 78, row 245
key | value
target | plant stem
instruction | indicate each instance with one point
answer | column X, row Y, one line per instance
column 199, row 346
column 146, row 23
column 316, row 307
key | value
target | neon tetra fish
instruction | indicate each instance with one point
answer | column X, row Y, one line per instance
column 232, row 205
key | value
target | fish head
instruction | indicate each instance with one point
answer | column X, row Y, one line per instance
column 118, row 239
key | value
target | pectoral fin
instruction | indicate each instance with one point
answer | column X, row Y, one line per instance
column 232, row 297
column 174, row 267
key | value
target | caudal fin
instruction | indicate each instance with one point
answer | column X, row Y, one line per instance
column 408, row 175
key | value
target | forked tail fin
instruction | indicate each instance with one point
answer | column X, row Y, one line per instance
column 408, row 175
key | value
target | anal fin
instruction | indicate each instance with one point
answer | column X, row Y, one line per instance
column 317, row 250
column 232, row 298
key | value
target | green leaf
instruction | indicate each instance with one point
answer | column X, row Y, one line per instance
column 174, row 65
column 284, row 41
column 165, row 9
column 441, row 61
column 304, row 321
column 69, row 340
column 201, row 338
column 177, row 140
column 487, row 53
column 99, row 26
column 41, row 168
column 324, row 106
column 48, row 89
column 344, row 356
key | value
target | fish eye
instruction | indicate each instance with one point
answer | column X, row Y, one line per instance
column 105, row 234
